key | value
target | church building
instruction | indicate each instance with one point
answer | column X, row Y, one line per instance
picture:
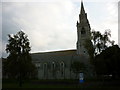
column 57, row 64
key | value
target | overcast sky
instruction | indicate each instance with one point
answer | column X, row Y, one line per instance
column 51, row 24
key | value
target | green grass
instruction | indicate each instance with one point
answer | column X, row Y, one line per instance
column 36, row 84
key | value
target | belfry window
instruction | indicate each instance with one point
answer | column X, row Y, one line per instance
column 83, row 31
column 84, row 51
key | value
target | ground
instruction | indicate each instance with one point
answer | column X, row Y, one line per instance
column 61, row 84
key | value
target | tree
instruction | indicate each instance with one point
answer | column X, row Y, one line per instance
column 78, row 67
column 96, row 44
column 19, row 62
column 108, row 62
column 101, row 41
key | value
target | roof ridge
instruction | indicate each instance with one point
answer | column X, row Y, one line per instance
column 54, row 51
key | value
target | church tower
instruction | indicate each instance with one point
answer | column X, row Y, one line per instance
column 83, row 31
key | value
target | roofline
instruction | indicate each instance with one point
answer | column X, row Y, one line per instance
column 54, row 51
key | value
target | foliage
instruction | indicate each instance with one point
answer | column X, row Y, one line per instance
column 108, row 62
column 95, row 45
column 19, row 62
column 101, row 41
column 78, row 67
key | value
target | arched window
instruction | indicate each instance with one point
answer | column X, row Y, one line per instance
column 53, row 65
column 62, row 68
column 45, row 70
column 53, row 69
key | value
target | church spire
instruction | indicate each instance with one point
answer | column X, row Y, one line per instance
column 83, row 30
column 82, row 15
column 82, row 8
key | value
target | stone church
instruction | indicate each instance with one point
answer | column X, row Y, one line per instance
column 57, row 64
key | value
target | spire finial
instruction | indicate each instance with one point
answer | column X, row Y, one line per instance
column 82, row 7
column 81, row 2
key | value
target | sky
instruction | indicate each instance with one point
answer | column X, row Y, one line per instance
column 51, row 24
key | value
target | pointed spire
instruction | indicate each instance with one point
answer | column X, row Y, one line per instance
column 82, row 7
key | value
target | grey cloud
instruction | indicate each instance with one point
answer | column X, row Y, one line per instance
column 49, row 26
column 45, row 24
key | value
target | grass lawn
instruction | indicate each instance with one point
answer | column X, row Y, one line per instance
column 36, row 84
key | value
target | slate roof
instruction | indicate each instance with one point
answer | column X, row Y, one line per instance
column 54, row 56
column 57, row 56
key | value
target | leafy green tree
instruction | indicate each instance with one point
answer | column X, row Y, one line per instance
column 78, row 67
column 96, row 44
column 101, row 41
column 108, row 62
column 19, row 62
